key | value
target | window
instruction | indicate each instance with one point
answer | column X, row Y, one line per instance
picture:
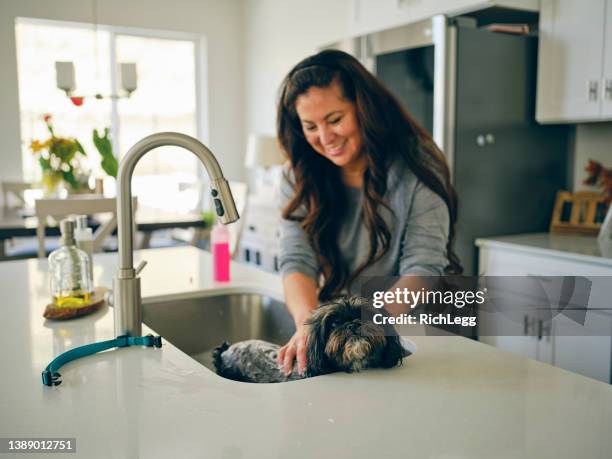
column 166, row 99
column 39, row 45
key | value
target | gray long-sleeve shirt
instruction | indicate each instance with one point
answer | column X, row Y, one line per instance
column 419, row 231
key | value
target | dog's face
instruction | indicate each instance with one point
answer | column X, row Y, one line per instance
column 339, row 340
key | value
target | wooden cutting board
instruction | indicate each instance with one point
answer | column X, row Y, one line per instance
column 52, row 312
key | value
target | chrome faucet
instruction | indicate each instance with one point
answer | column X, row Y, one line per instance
column 126, row 285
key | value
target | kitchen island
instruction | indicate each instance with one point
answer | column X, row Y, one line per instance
column 452, row 398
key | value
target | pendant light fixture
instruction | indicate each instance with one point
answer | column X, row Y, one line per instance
column 65, row 79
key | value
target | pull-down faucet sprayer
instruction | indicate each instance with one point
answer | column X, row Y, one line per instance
column 126, row 285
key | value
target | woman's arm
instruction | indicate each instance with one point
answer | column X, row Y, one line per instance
column 423, row 254
column 412, row 282
column 300, row 296
column 299, row 267
column 301, row 300
column 425, row 235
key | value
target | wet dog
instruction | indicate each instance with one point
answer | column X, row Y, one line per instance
column 341, row 337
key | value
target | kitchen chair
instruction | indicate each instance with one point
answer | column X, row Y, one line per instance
column 14, row 191
column 194, row 235
column 13, row 199
column 201, row 189
column 82, row 205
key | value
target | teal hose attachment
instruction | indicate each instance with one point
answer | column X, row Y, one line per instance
column 50, row 375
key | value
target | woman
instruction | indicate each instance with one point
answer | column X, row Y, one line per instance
column 367, row 191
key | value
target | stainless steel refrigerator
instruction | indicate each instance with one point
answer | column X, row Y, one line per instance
column 475, row 91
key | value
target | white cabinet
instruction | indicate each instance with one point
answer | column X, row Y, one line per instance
column 561, row 342
column 513, row 332
column 369, row 16
column 575, row 61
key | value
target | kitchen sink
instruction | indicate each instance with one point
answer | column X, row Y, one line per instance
column 198, row 325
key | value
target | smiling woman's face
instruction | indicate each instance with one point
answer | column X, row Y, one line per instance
column 329, row 123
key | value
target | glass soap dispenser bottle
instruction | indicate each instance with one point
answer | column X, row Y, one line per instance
column 84, row 240
column 69, row 270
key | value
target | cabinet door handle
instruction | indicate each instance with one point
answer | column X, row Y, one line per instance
column 593, row 90
column 543, row 329
column 528, row 324
column 608, row 89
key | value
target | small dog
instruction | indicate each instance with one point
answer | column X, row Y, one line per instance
column 339, row 339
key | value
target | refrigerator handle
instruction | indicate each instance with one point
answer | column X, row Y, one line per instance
column 608, row 89
column 593, row 90
column 366, row 53
column 445, row 78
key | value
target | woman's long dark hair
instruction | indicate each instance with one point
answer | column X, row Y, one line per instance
column 387, row 132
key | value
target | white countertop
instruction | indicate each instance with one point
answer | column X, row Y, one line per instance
column 454, row 398
column 569, row 246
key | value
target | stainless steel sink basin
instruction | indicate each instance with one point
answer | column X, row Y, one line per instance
column 197, row 325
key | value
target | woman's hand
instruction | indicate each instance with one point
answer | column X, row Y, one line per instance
column 295, row 349
column 301, row 299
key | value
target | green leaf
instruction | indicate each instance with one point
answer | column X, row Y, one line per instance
column 110, row 166
column 80, row 148
column 70, row 178
column 45, row 164
column 103, row 144
column 209, row 218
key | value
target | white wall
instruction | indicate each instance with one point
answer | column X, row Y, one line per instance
column 220, row 21
column 593, row 141
column 278, row 34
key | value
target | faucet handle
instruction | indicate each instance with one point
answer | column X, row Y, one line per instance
column 141, row 266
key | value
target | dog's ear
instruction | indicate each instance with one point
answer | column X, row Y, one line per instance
column 316, row 360
column 393, row 352
column 216, row 355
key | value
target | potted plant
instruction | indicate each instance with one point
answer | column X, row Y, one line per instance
column 60, row 161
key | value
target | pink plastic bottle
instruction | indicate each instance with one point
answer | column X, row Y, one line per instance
column 221, row 255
